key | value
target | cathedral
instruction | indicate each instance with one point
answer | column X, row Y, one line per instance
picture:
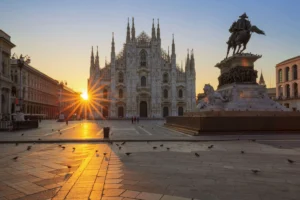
column 143, row 80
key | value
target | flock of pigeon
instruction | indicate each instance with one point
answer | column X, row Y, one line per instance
column 255, row 171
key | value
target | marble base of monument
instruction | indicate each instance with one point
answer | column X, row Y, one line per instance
column 237, row 121
column 239, row 103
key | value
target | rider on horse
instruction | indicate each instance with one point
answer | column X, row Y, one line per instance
column 236, row 27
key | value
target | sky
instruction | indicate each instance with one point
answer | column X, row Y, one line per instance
column 58, row 34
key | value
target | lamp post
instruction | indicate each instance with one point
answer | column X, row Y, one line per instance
column 21, row 61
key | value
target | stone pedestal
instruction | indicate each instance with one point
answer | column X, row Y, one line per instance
column 237, row 85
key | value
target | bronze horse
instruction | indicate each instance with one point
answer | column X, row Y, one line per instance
column 239, row 38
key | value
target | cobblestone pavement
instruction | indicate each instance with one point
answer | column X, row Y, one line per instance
column 153, row 170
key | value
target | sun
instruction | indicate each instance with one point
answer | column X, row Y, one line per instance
column 84, row 96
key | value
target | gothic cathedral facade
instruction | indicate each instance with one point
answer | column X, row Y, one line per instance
column 143, row 80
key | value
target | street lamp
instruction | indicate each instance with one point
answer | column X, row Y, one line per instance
column 21, row 61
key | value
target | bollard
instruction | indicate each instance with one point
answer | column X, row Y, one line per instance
column 106, row 132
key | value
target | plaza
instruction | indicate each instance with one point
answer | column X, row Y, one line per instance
column 162, row 164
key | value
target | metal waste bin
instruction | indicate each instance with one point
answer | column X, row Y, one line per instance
column 106, row 132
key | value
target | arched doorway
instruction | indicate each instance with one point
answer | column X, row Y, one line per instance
column 143, row 109
column 120, row 112
column 180, row 111
column 105, row 111
column 165, row 112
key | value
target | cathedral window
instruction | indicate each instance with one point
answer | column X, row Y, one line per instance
column 105, row 94
column 120, row 93
column 121, row 77
column 143, row 58
column 165, row 78
column 180, row 94
column 165, row 93
column 143, row 81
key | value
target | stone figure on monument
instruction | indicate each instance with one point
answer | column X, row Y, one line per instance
column 241, row 31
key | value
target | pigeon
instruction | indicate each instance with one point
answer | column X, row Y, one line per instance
column 52, row 129
column 59, row 145
column 161, row 145
column 39, row 139
column 290, row 161
column 255, row 171
column 117, row 144
column 210, row 146
column 22, row 134
column 69, row 166
column 253, row 140
column 123, row 143
column 63, row 147
column 60, row 133
column 242, row 152
column 154, row 147
column 15, row 158
column 73, row 148
column 17, row 144
column 120, row 148
column 28, row 148
column 96, row 151
column 168, row 148
column 97, row 155
column 128, row 154
column 104, row 153
column 196, row 154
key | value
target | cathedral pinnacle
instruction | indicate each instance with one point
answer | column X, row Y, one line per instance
column 153, row 31
column 133, row 30
column 261, row 79
column 92, row 59
column 97, row 65
column 158, row 30
column 173, row 46
column 128, row 32
column 113, row 43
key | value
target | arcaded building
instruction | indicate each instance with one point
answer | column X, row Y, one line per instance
column 287, row 83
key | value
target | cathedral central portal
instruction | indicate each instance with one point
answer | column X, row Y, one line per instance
column 143, row 109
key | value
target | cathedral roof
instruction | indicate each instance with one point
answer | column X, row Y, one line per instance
column 143, row 38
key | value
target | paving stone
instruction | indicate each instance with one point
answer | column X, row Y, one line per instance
column 149, row 196
column 168, row 197
column 112, row 192
column 130, row 194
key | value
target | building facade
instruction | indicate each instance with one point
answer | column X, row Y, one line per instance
column 39, row 91
column 142, row 80
column 70, row 102
column 6, row 83
column 287, row 83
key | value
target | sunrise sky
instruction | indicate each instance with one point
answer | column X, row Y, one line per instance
column 58, row 34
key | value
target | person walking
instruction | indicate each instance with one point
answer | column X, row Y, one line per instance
column 132, row 119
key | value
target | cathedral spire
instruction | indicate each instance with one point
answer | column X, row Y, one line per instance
column 187, row 64
column 133, row 30
column 153, row 31
column 168, row 54
column 158, row 30
column 97, row 65
column 113, row 43
column 92, row 59
column 192, row 62
column 128, row 32
column 173, row 46
column 261, row 79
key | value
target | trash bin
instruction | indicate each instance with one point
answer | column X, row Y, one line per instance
column 106, row 132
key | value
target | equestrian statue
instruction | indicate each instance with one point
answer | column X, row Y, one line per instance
column 241, row 31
